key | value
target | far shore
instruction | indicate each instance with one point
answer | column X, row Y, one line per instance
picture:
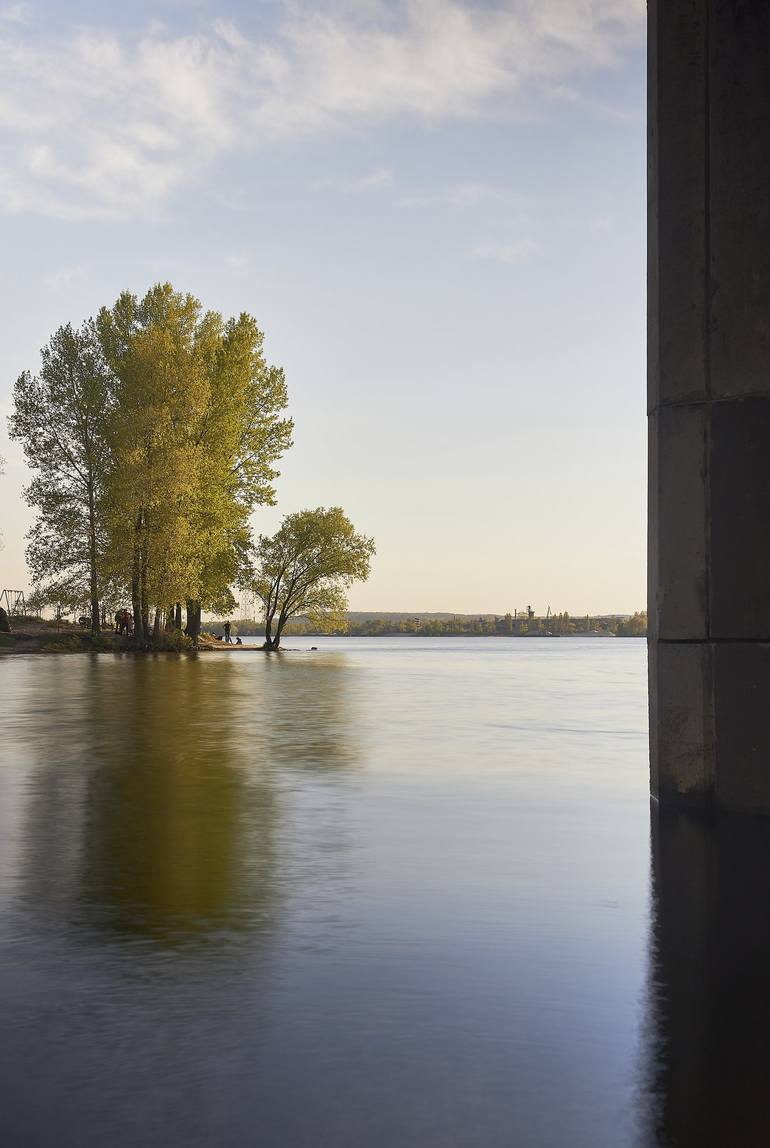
column 46, row 639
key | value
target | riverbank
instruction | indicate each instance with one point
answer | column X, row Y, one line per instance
column 73, row 640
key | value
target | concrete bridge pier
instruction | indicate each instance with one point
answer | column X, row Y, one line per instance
column 709, row 402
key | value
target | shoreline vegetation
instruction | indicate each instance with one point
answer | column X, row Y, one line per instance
column 153, row 432
column 32, row 635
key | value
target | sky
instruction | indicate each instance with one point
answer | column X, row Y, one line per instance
column 434, row 208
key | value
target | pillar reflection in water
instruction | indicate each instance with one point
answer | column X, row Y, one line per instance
column 710, row 980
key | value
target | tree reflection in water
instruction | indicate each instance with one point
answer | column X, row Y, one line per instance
column 157, row 814
column 710, row 981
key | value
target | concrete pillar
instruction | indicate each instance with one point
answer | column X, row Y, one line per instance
column 709, row 402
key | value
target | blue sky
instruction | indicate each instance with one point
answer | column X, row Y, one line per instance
column 435, row 210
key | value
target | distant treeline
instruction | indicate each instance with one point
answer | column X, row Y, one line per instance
column 461, row 625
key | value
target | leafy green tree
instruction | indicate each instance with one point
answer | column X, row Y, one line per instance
column 59, row 417
column 307, row 567
column 153, row 433
column 160, row 392
column 244, row 432
column 196, row 430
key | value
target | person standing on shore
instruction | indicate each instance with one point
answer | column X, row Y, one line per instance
column 228, row 639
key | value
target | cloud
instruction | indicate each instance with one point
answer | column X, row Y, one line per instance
column 382, row 177
column 461, row 196
column 14, row 14
column 64, row 279
column 516, row 252
column 101, row 123
column 372, row 181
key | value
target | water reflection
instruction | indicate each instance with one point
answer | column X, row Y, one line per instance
column 154, row 813
column 375, row 895
column 710, row 969
column 310, row 723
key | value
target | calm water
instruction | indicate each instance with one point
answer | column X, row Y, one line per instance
column 392, row 893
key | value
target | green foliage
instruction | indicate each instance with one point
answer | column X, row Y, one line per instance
column 59, row 417
column 153, row 433
column 307, row 567
column 173, row 641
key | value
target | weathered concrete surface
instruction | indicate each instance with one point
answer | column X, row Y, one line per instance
column 709, row 402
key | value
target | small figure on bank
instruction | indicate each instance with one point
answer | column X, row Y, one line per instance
column 129, row 622
column 238, row 642
column 228, row 639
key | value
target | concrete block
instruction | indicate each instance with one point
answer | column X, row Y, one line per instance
column 742, row 726
column 740, row 519
column 678, row 512
column 681, row 726
column 677, row 222
column 739, row 165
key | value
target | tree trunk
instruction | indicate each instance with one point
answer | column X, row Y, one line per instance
column 136, row 585
column 96, row 616
column 193, row 627
column 156, row 626
column 145, row 603
column 178, row 616
column 282, row 620
column 169, row 619
column 269, row 632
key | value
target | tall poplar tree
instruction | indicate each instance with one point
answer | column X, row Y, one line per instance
column 160, row 394
column 196, row 428
column 59, row 417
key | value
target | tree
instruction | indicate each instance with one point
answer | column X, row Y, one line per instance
column 59, row 417
column 245, row 432
column 153, row 432
column 196, row 429
column 306, row 568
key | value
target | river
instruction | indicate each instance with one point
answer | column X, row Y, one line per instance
column 393, row 892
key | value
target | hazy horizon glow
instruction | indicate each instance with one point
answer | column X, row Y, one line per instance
column 434, row 209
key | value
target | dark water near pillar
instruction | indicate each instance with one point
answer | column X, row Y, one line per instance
column 392, row 893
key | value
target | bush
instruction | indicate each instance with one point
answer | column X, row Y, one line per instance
column 173, row 641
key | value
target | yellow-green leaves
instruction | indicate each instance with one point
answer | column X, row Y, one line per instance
column 165, row 422
column 307, row 567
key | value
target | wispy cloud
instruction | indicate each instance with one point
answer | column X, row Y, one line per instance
column 382, row 177
column 462, row 196
column 601, row 226
column 238, row 262
column 14, row 14
column 515, row 252
column 64, row 279
column 371, row 181
column 100, row 123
